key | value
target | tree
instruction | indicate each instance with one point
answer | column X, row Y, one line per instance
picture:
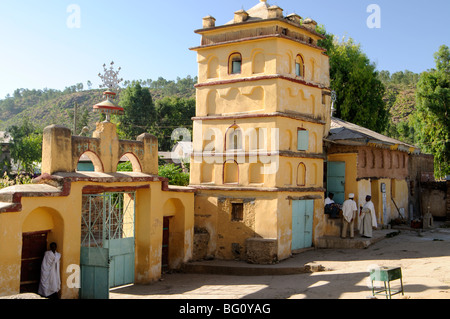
column 26, row 146
column 174, row 174
column 358, row 88
column 139, row 111
column 432, row 115
column 172, row 113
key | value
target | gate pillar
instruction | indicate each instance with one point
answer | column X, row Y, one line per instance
column 56, row 149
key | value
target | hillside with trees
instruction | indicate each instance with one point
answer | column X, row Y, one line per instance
column 50, row 106
column 400, row 99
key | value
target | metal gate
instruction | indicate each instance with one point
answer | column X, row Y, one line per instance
column 302, row 223
column 107, row 243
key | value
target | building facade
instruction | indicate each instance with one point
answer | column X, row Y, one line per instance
column 363, row 162
column 263, row 109
column 112, row 228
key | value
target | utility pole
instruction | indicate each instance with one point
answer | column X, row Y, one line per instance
column 75, row 119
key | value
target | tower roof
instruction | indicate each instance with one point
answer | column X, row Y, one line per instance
column 258, row 12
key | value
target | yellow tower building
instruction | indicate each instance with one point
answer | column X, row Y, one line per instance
column 263, row 109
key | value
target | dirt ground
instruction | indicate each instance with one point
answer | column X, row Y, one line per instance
column 424, row 258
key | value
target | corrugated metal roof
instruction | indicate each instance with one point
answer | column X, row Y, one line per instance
column 344, row 131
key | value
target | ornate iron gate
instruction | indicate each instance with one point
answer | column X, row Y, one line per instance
column 107, row 243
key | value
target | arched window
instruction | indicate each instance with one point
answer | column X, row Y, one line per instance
column 235, row 63
column 233, row 138
column 301, row 175
column 299, row 66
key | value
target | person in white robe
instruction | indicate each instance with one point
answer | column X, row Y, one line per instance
column 50, row 282
column 349, row 210
column 367, row 219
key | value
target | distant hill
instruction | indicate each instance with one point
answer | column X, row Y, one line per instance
column 46, row 107
column 400, row 98
column 49, row 106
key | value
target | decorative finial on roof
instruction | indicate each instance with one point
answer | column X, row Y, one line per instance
column 110, row 78
column 110, row 82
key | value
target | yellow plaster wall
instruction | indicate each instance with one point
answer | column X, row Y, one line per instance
column 213, row 213
column 272, row 219
column 288, row 135
column 210, row 169
column 266, row 84
column 399, row 192
column 55, row 213
column 64, row 222
column 279, row 56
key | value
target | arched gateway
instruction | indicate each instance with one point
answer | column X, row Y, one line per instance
column 108, row 225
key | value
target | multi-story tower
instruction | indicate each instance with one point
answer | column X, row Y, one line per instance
column 263, row 109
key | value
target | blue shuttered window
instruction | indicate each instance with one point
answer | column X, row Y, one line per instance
column 302, row 140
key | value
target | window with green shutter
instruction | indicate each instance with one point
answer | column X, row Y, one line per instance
column 302, row 140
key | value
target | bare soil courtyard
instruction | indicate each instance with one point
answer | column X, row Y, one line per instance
column 424, row 258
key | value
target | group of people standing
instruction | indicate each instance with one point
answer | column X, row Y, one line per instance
column 367, row 217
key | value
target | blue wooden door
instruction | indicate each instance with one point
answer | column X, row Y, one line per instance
column 94, row 273
column 336, row 181
column 302, row 223
column 121, row 255
column 107, row 243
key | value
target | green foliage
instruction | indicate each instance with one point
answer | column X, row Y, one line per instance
column 355, row 79
column 431, row 118
column 125, row 167
column 402, row 78
column 20, row 179
column 139, row 111
column 50, row 106
column 182, row 87
column 26, row 146
column 172, row 113
column 175, row 174
column 400, row 101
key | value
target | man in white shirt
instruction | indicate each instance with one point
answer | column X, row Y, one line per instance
column 349, row 210
column 329, row 200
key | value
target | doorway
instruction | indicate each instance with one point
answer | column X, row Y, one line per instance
column 107, row 243
column 302, row 223
column 336, row 181
column 34, row 246
column 165, row 245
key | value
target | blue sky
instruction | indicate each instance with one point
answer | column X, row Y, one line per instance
column 149, row 39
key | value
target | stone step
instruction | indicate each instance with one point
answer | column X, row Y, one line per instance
column 241, row 268
column 336, row 242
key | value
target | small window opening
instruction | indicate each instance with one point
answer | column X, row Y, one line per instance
column 299, row 66
column 237, row 212
column 235, row 66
